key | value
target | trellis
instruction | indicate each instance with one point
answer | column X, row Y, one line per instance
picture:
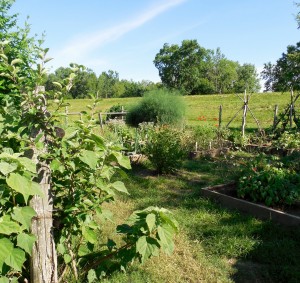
column 245, row 108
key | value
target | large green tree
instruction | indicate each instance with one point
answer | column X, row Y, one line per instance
column 107, row 82
column 84, row 84
column 196, row 70
column 223, row 73
column 247, row 79
column 185, row 67
column 285, row 73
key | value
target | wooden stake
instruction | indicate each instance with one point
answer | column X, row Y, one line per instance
column 275, row 116
column 220, row 116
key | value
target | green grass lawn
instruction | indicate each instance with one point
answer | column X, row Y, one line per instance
column 261, row 104
column 214, row 244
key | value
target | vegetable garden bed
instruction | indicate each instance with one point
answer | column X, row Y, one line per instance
column 226, row 195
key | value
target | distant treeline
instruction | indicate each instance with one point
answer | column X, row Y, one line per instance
column 190, row 69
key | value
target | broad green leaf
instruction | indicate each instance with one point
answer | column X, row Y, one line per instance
column 83, row 250
column 47, row 60
column 98, row 140
column 92, row 276
column 89, row 158
column 23, row 215
column 6, row 168
column 61, row 248
column 166, row 234
column 89, row 234
column 28, row 164
column 26, row 241
column 16, row 61
column 67, row 258
column 23, row 185
column 57, row 84
column 54, row 165
column 4, row 280
column 16, row 259
column 8, row 227
column 168, row 218
column 6, row 247
column 150, row 220
column 147, row 247
column 122, row 160
column 119, row 186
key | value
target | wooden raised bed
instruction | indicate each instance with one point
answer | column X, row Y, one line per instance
column 224, row 194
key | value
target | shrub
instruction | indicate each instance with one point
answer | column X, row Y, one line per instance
column 269, row 182
column 158, row 106
column 165, row 150
column 288, row 140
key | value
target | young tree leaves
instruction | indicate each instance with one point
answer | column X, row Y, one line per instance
column 23, row 215
column 26, row 241
column 147, row 247
column 23, row 185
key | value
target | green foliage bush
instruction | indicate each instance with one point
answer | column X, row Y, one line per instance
column 288, row 140
column 270, row 182
column 165, row 149
column 158, row 106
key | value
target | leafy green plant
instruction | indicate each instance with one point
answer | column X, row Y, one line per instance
column 146, row 233
column 165, row 150
column 288, row 140
column 81, row 165
column 158, row 106
column 268, row 181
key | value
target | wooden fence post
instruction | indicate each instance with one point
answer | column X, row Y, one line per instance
column 220, row 116
column 275, row 116
column 244, row 113
column 66, row 117
column 101, row 121
column 43, row 262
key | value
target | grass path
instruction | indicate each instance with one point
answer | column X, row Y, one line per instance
column 214, row 244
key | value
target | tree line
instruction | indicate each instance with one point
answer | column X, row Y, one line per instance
column 191, row 69
column 106, row 85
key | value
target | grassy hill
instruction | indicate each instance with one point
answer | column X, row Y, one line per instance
column 207, row 106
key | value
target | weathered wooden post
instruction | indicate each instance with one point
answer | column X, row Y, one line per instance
column 101, row 121
column 66, row 117
column 220, row 116
column 244, row 113
column 292, row 108
column 275, row 116
column 122, row 111
column 43, row 265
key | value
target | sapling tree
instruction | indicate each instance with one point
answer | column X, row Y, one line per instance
column 53, row 182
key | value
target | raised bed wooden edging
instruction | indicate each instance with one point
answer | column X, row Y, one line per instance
column 257, row 210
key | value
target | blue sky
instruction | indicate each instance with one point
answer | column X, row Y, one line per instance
column 125, row 35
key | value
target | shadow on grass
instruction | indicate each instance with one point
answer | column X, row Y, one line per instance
column 258, row 251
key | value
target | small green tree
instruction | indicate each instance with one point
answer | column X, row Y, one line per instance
column 165, row 149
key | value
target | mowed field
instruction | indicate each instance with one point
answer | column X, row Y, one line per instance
column 204, row 109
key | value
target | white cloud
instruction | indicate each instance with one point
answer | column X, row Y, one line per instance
column 82, row 45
